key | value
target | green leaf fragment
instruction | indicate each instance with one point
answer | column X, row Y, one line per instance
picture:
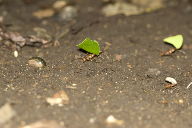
column 90, row 46
column 176, row 41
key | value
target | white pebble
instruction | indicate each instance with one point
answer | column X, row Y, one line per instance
column 15, row 53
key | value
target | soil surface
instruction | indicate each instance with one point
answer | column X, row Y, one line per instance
column 126, row 80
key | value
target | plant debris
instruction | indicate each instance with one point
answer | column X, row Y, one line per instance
column 188, row 86
column 176, row 41
column 16, row 41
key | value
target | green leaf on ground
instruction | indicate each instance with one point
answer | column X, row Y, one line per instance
column 90, row 46
column 176, row 41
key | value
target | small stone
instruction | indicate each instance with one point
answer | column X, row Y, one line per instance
column 68, row 13
column 36, row 62
column 59, row 4
column 15, row 53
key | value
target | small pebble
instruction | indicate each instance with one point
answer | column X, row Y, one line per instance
column 36, row 62
column 15, row 53
column 59, row 4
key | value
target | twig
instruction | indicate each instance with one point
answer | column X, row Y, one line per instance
column 189, row 85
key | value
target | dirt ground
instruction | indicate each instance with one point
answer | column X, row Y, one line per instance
column 126, row 80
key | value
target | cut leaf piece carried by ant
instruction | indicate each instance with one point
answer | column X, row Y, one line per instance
column 91, row 47
column 175, row 41
column 169, row 52
column 171, row 82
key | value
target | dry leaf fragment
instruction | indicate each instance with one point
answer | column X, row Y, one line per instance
column 16, row 41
